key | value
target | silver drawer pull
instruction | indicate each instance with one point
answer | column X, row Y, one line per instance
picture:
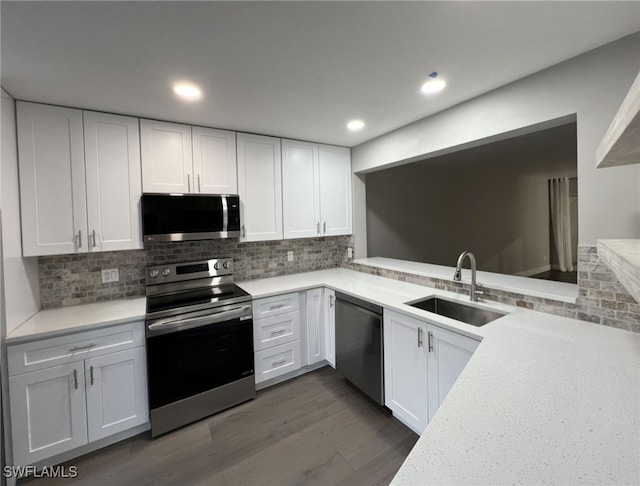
column 278, row 331
column 279, row 362
column 278, row 306
column 80, row 348
column 91, row 374
column 75, row 379
column 430, row 335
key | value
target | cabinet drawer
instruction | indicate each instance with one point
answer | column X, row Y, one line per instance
column 277, row 361
column 45, row 353
column 278, row 304
column 272, row 331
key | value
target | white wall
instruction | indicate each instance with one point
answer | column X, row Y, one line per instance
column 592, row 86
column 21, row 279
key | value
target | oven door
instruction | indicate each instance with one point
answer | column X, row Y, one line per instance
column 189, row 356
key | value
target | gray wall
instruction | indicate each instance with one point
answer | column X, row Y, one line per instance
column 590, row 86
column 492, row 200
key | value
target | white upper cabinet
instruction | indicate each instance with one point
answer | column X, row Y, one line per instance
column 52, row 182
column 260, row 187
column 184, row 159
column 167, row 164
column 214, row 161
column 79, row 181
column 316, row 184
column 300, row 189
column 112, row 158
column 335, row 190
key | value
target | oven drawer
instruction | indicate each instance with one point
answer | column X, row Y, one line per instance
column 277, row 361
column 272, row 331
column 46, row 353
column 275, row 305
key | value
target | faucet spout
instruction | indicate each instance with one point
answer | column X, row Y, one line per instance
column 457, row 276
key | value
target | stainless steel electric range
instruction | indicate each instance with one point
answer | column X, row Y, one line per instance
column 199, row 328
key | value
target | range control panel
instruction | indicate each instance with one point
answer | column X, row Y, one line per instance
column 187, row 271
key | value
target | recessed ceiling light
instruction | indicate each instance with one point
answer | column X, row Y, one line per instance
column 355, row 125
column 187, row 91
column 433, row 84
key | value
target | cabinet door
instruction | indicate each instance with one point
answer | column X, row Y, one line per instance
column 335, row 190
column 166, row 157
column 214, row 161
column 48, row 412
column 449, row 354
column 405, row 370
column 300, row 189
column 112, row 160
column 330, row 325
column 52, row 180
column 116, row 392
column 260, row 187
column 316, row 339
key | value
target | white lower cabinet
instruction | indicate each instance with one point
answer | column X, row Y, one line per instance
column 405, row 370
column 94, row 394
column 277, row 361
column 330, row 325
column 421, row 364
column 116, row 392
column 316, row 340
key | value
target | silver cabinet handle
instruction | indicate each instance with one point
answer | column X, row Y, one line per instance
column 75, row 379
column 94, row 238
column 276, row 306
column 188, row 182
column 199, row 183
column 331, row 297
column 91, row 374
column 79, row 348
column 244, row 233
column 79, row 238
column 280, row 361
column 324, row 228
column 277, row 331
column 430, row 341
column 419, row 337
column 318, row 227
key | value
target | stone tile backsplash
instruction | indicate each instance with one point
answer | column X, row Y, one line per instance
column 77, row 279
column 601, row 298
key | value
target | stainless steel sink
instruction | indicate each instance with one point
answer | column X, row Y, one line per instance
column 457, row 310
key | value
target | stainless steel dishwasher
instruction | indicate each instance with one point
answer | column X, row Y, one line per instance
column 359, row 353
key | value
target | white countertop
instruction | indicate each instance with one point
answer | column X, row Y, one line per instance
column 623, row 258
column 560, row 291
column 544, row 399
column 65, row 320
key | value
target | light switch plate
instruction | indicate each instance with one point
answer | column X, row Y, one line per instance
column 290, row 256
column 110, row 275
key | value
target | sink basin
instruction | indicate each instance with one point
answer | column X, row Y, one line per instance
column 457, row 310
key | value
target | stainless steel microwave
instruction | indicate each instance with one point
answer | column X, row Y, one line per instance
column 180, row 217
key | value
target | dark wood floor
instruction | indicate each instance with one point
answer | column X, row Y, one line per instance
column 313, row 430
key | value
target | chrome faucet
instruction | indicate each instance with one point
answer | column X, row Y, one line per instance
column 457, row 277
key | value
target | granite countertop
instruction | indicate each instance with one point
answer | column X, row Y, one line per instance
column 66, row 320
column 544, row 399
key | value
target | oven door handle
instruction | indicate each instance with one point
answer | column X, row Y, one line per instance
column 194, row 322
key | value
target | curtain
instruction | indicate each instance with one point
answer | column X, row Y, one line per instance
column 561, row 221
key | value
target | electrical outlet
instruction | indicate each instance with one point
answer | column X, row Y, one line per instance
column 110, row 275
column 349, row 252
column 290, row 256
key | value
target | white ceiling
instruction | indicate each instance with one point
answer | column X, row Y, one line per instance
column 291, row 69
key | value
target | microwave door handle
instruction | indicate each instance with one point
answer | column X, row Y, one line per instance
column 195, row 322
column 225, row 214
